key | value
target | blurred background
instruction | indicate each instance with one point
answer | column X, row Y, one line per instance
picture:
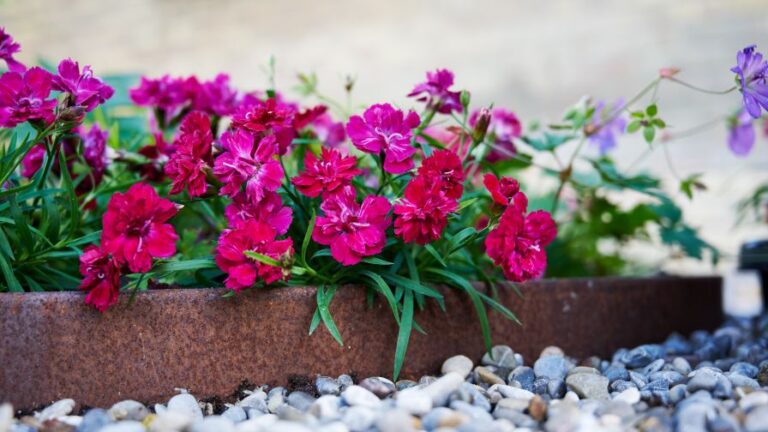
column 533, row 57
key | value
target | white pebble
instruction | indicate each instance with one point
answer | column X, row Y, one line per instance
column 753, row 399
column 187, row 405
column 355, row 395
column 442, row 388
column 56, row 409
column 630, row 396
column 414, row 400
column 460, row 364
column 257, row 424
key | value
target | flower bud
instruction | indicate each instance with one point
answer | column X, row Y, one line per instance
column 481, row 125
column 668, row 72
column 464, row 98
column 72, row 114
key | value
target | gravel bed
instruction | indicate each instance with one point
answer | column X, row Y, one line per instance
column 709, row 382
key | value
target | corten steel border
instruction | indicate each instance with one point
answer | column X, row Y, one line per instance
column 53, row 346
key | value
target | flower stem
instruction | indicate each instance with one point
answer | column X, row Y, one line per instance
column 699, row 89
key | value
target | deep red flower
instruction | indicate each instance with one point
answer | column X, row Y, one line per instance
column 353, row 231
column 192, row 159
column 327, row 175
column 506, row 191
column 445, row 166
column 101, row 277
column 422, row 214
column 244, row 162
column 384, row 129
column 436, row 92
column 517, row 243
column 270, row 117
column 253, row 236
column 24, row 96
column 8, row 48
column 135, row 228
column 85, row 89
column 269, row 210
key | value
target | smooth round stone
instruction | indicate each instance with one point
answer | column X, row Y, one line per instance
column 235, row 414
column 459, row 364
column 359, row 417
column 551, row 367
column 753, row 399
column 287, row 426
column 213, row 424
column 537, row 408
column 379, row 386
column 630, row 396
column 358, row 396
column 93, row 420
column 476, row 414
column 616, row 372
column 443, row 417
column 540, row 386
column 276, row 399
column 583, row 369
column 396, row 420
column 618, row 408
column 681, row 365
column 501, row 356
column 187, row 405
column 757, row 420
column 642, row 356
column 621, row 385
column 258, row 424
column 524, row 376
column 589, row 386
column 552, row 351
column 678, row 393
column 127, row 426
column 746, row 369
column 556, row 389
column 170, row 421
column 739, row 380
column 327, row 386
column 654, row 366
column 57, row 409
column 129, row 410
column 426, row 380
column 414, row 401
column 671, row 377
column 710, row 380
column 638, row 379
column 441, row 389
column 471, row 394
column 326, row 406
column 345, row 381
column 515, row 393
column 484, row 375
column 405, row 384
column 287, row 412
column 300, row 400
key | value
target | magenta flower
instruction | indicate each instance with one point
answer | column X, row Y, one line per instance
column 384, row 129
column 269, row 210
column 192, row 159
column 503, row 129
column 608, row 123
column 444, row 167
column 328, row 131
column 353, row 231
column 422, row 213
column 517, row 243
column 101, row 277
column 215, row 97
column 85, row 89
column 327, row 175
column 166, row 93
column 505, row 191
column 270, row 117
column 8, row 47
column 436, row 92
column 24, row 96
column 252, row 236
column 33, row 160
column 752, row 73
column 244, row 162
column 135, row 228
column 95, row 156
column 741, row 133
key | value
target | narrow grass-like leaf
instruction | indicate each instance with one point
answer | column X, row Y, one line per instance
column 5, row 246
column 32, row 284
column 74, row 206
column 376, row 261
column 412, row 285
column 500, row 308
column 432, row 251
column 323, row 303
column 21, row 224
column 10, row 279
column 315, row 321
column 177, row 266
column 385, row 290
column 404, row 334
column 262, row 258
column 308, row 237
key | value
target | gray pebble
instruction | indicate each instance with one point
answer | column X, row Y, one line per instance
column 213, row 424
column 125, row 426
column 460, row 364
column 551, row 367
column 187, row 405
column 589, row 386
column 236, row 414
column 501, row 356
column 359, row 418
column 300, row 400
column 379, row 386
column 94, row 420
column 358, row 396
column 327, row 386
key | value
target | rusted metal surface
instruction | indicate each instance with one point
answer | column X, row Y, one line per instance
column 53, row 346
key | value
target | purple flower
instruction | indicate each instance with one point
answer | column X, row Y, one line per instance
column 24, row 96
column 608, row 123
column 85, row 89
column 95, row 149
column 752, row 73
column 8, row 47
column 215, row 97
column 741, row 133
column 166, row 92
column 436, row 92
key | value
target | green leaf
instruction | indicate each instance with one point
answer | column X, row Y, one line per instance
column 500, row 307
column 634, row 126
column 5, row 246
column 466, row 203
column 548, row 141
column 315, row 321
column 382, row 287
column 376, row 261
column 178, row 266
column 432, row 251
column 459, row 282
column 21, row 224
column 262, row 258
column 651, row 110
column 308, row 237
column 404, row 334
column 649, row 132
column 460, row 239
column 74, row 206
column 323, row 303
column 659, row 123
column 10, row 279
column 412, row 285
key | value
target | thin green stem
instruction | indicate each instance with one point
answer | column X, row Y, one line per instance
column 699, row 89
